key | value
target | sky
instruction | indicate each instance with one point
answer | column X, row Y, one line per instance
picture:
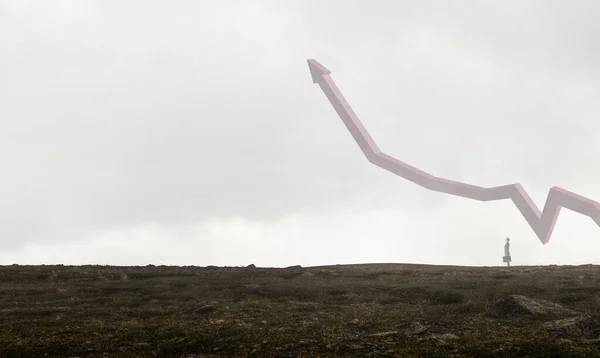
column 190, row 133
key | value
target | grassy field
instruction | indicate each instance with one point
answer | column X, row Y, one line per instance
column 377, row 310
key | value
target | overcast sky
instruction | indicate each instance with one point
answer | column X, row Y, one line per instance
column 190, row 133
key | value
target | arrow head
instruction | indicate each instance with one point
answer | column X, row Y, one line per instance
column 317, row 71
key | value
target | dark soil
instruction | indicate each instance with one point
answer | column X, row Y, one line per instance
column 377, row 310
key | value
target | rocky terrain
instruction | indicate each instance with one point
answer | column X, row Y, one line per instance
column 374, row 310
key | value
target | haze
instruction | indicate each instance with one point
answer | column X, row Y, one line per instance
column 137, row 133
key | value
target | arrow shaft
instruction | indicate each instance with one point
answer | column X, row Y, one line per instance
column 342, row 107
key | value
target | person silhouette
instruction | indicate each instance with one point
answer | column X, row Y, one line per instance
column 506, row 257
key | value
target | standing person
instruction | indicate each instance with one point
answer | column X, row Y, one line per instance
column 506, row 257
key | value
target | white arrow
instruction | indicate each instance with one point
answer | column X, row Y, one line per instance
column 541, row 223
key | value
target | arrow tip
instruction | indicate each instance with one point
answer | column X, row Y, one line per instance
column 317, row 71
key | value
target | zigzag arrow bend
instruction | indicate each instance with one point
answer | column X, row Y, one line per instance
column 541, row 223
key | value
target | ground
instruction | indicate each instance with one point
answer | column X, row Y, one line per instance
column 374, row 310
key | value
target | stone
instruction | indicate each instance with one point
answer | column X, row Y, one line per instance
column 445, row 336
column 584, row 326
column 519, row 304
column 422, row 327
column 350, row 295
column 206, row 309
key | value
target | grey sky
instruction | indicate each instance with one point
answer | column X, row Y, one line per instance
column 191, row 133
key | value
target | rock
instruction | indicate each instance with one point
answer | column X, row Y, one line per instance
column 307, row 274
column 350, row 295
column 445, row 336
column 564, row 341
column 294, row 267
column 251, row 266
column 124, row 277
column 584, row 326
column 518, row 304
column 206, row 309
column 441, row 339
column 330, row 272
column 420, row 327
